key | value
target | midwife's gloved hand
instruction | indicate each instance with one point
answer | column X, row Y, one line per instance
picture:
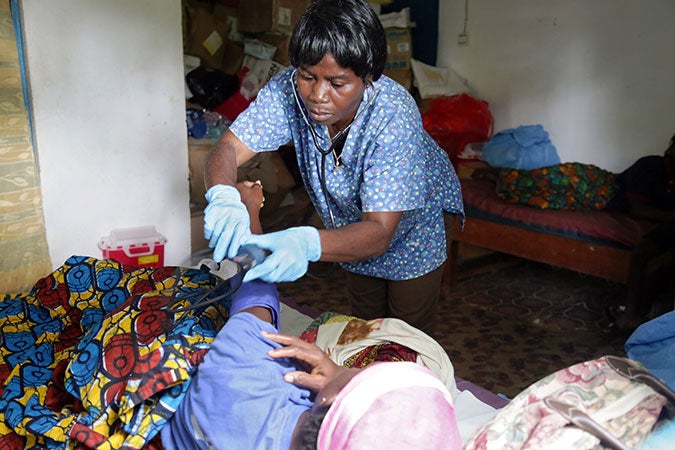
column 292, row 249
column 226, row 221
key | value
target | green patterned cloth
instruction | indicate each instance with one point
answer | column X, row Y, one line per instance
column 572, row 186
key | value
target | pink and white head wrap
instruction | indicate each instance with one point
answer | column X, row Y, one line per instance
column 391, row 405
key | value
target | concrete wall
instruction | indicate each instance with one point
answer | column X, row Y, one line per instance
column 598, row 75
column 108, row 100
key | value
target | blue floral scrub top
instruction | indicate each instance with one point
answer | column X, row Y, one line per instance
column 388, row 163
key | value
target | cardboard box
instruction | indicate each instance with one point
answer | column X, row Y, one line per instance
column 233, row 58
column 229, row 16
column 287, row 14
column 197, row 240
column 401, row 76
column 208, row 38
column 198, row 149
column 399, row 48
column 257, row 16
column 281, row 42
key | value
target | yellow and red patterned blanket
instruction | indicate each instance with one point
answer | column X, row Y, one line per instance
column 94, row 356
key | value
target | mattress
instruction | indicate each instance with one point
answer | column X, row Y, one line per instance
column 613, row 229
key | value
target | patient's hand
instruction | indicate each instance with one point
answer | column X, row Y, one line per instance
column 322, row 374
column 251, row 194
column 252, row 197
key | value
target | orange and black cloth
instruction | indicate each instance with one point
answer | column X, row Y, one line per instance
column 570, row 186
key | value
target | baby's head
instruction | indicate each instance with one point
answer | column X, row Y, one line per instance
column 392, row 405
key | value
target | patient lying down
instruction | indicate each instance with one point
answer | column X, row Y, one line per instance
column 258, row 388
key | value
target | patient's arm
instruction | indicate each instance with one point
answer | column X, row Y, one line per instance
column 260, row 312
column 252, row 197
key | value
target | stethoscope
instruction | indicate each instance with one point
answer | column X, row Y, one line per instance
column 336, row 142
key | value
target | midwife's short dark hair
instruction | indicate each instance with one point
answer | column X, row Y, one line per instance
column 347, row 29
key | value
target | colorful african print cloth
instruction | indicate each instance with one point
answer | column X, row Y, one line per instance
column 572, row 186
column 95, row 355
column 354, row 342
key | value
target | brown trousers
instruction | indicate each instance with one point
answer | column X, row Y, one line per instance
column 414, row 301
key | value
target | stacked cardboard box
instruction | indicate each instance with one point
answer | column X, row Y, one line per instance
column 399, row 55
column 216, row 33
column 261, row 16
column 397, row 27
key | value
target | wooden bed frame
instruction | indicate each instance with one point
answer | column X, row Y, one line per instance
column 594, row 259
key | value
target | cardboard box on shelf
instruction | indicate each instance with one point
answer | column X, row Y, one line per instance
column 208, row 37
column 233, row 57
column 281, row 42
column 401, row 76
column 198, row 149
column 399, row 48
column 229, row 16
column 197, row 240
column 399, row 55
column 287, row 14
column 257, row 16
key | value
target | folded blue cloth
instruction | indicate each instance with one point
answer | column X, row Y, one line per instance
column 525, row 147
column 653, row 345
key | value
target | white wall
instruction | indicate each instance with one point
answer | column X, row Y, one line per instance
column 109, row 113
column 598, row 75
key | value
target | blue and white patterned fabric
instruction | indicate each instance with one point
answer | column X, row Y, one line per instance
column 388, row 163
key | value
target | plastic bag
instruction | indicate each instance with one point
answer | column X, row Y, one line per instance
column 453, row 122
column 210, row 87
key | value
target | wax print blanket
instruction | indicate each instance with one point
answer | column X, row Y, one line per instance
column 95, row 355
column 571, row 186
column 354, row 342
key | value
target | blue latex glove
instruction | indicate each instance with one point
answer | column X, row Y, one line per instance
column 292, row 249
column 226, row 221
